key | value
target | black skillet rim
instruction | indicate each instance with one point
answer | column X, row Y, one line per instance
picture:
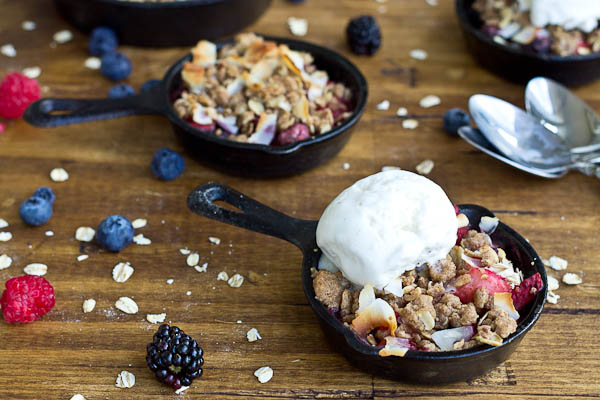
column 168, row 4
column 343, row 63
column 461, row 11
column 522, row 328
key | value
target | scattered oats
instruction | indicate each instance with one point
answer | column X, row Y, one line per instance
column 239, row 321
column 381, row 1
column 49, row 233
column 193, row 259
column 201, row 268
column 214, row 240
column 77, row 396
column 122, row 271
column 85, row 234
column 185, row 251
column 32, row 72
column 36, row 269
column 8, row 50
column 63, row 36
column 571, row 279
column 552, row 297
column 170, row 281
column 88, row 305
column 390, row 168
column 235, row 281
column 82, row 257
column 432, row 3
column 29, row 26
column 430, row 101
column 125, row 380
column 156, row 318
column 188, row 293
column 264, row 374
column 253, row 335
column 5, row 261
column 222, row 276
column 557, row 263
column 552, row 283
column 499, row 39
column 384, row 105
column 410, row 124
column 425, row 167
column 141, row 240
column 298, row 26
column 127, row 305
column 139, row 223
column 3, row 223
column 346, row 166
column 182, row 389
column 402, row 112
column 418, row 54
column 92, row 63
column 5, row 236
column 59, row 175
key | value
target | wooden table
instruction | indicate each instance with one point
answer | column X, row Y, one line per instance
column 69, row 352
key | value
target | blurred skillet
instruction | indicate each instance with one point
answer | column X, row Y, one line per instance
column 415, row 366
column 244, row 159
column 514, row 63
column 174, row 23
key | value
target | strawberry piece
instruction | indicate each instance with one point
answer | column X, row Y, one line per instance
column 526, row 291
column 482, row 278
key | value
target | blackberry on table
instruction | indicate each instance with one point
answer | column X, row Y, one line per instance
column 363, row 34
column 174, row 357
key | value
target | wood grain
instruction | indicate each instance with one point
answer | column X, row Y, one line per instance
column 69, row 352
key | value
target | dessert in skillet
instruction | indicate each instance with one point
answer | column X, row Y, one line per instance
column 261, row 92
column 558, row 27
column 405, row 272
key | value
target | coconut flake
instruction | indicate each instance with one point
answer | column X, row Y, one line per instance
column 265, row 129
column 377, row 313
column 365, row 297
column 446, row 338
column 395, row 347
column 395, row 287
column 488, row 224
column 504, row 301
column 200, row 115
column 228, row 124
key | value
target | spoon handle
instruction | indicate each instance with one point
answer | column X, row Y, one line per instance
column 588, row 165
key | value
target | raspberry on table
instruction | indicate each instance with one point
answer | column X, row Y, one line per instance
column 167, row 164
column 121, row 90
column 363, row 34
column 115, row 233
column 17, row 92
column 102, row 40
column 26, row 298
column 174, row 357
column 115, row 66
column 454, row 119
column 35, row 211
column 45, row 193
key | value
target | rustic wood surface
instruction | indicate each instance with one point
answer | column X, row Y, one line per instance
column 69, row 352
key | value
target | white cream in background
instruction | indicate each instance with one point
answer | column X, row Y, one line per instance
column 386, row 224
column 570, row 14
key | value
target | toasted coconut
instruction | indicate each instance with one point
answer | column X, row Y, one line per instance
column 318, row 80
column 427, row 319
column 473, row 253
column 463, row 220
column 265, row 129
column 446, row 338
column 283, row 104
column 205, row 53
column 300, row 109
column 259, row 50
column 294, row 61
column 193, row 76
column 200, row 115
column 235, row 86
column 378, row 313
column 496, row 340
column 471, row 261
column 488, row 224
column 504, row 301
column 365, row 297
column 256, row 106
column 228, row 124
column 395, row 347
column 239, row 61
column 525, row 35
column 395, row 287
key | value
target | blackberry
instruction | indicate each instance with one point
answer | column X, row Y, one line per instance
column 174, row 357
column 363, row 34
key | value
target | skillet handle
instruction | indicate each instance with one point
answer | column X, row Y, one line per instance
column 49, row 113
column 254, row 216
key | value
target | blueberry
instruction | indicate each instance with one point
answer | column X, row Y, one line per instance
column 121, row 90
column 455, row 119
column 115, row 233
column 102, row 40
column 115, row 66
column 167, row 164
column 35, row 211
column 148, row 85
column 45, row 193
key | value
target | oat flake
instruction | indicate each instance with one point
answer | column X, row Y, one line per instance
column 141, row 240
column 5, row 236
column 139, row 223
column 252, row 335
column 77, row 397
column 390, row 168
column 122, row 272
column 222, row 276
column 430, row 101
column 557, row 263
column 188, row 293
column 82, row 257
column 63, row 36
column 236, row 281
column 59, row 175
column 28, row 26
column 92, row 63
column 201, row 268
column 384, row 105
column 32, row 72
column 552, row 297
column 5, row 261
column 185, row 252
column 193, row 259
column 264, row 374
column 571, row 279
column 49, row 233
column 418, row 54
column 125, row 380
column 298, row 26
column 425, row 167
column 552, row 283
column 214, row 240
column 402, row 112
column 36, row 269
column 170, row 281
column 127, row 305
column 410, row 124
column 89, row 305
column 3, row 223
column 346, row 166
column 156, row 318
column 182, row 389
column 85, row 234
column 8, row 50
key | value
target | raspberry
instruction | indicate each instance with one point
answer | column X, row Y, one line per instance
column 526, row 291
column 26, row 298
column 293, row 134
column 17, row 92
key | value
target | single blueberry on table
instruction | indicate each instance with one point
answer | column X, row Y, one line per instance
column 167, row 164
column 102, row 40
column 115, row 66
column 45, row 193
column 149, row 85
column 363, row 35
column 115, row 233
column 121, row 90
column 454, row 119
column 35, row 211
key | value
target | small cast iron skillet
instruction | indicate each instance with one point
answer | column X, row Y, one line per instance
column 514, row 63
column 244, row 159
column 176, row 23
column 415, row 366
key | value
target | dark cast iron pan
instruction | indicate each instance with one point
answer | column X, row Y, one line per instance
column 244, row 159
column 415, row 366
column 519, row 65
column 175, row 23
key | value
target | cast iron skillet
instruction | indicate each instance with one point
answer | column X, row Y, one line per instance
column 176, row 23
column 415, row 367
column 245, row 159
column 514, row 63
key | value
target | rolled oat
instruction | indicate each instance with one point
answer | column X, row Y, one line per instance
column 264, row 374
column 235, row 281
column 85, row 234
column 36, row 269
column 127, row 305
column 5, row 261
column 89, row 305
column 122, row 272
column 125, row 380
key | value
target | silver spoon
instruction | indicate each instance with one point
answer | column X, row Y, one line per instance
column 563, row 113
column 520, row 137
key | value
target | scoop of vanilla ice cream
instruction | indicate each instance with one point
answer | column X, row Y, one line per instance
column 386, row 224
column 571, row 14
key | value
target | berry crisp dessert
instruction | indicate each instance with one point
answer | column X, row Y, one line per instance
column 257, row 91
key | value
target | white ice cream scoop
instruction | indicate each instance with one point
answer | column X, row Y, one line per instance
column 571, row 14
